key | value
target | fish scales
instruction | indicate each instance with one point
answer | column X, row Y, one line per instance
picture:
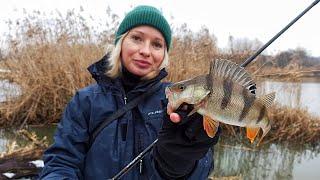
column 237, row 105
column 227, row 103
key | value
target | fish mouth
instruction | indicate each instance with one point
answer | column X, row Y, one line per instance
column 169, row 96
column 168, row 92
column 172, row 107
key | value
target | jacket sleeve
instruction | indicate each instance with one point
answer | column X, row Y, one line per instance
column 64, row 159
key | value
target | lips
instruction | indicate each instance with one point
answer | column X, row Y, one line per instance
column 142, row 63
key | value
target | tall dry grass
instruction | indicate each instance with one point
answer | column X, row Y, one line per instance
column 294, row 125
column 48, row 58
column 49, row 65
column 191, row 53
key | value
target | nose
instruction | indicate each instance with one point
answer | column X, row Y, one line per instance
column 145, row 49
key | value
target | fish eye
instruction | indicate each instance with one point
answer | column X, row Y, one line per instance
column 181, row 87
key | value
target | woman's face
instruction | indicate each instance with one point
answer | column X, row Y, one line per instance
column 142, row 50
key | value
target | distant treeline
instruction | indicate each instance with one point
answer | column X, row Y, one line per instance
column 292, row 59
column 298, row 57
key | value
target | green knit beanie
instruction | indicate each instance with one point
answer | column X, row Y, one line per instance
column 145, row 15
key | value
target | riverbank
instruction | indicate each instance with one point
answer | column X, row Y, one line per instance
column 296, row 75
column 22, row 161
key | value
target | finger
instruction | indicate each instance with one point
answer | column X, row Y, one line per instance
column 175, row 118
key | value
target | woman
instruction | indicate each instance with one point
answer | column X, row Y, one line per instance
column 135, row 65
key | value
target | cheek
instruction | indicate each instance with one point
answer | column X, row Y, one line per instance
column 127, row 51
column 158, row 58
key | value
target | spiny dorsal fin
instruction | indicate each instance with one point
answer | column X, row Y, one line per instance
column 229, row 70
column 267, row 100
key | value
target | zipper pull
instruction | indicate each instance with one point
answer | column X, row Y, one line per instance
column 140, row 166
column 125, row 100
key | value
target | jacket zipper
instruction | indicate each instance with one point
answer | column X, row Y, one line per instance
column 125, row 99
column 140, row 166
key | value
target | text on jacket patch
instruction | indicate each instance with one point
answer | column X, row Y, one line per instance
column 155, row 112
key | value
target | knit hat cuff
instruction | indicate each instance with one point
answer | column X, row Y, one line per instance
column 145, row 15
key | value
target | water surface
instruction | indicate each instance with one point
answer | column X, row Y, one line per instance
column 304, row 94
column 274, row 161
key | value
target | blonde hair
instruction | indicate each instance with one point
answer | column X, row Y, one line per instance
column 114, row 69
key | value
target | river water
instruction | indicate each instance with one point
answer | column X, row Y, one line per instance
column 304, row 94
column 283, row 162
column 239, row 159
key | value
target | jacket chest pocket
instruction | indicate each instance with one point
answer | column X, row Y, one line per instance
column 153, row 121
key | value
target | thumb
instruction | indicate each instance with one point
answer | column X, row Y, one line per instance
column 175, row 118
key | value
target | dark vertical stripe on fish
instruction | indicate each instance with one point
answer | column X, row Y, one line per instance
column 209, row 82
column 227, row 90
column 248, row 102
column 261, row 114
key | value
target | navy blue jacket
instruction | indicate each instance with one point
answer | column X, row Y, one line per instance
column 70, row 157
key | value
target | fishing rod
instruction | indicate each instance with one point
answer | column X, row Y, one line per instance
column 244, row 64
column 134, row 161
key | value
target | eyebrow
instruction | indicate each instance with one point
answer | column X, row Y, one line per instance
column 140, row 32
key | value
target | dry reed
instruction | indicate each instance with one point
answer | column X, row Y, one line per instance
column 191, row 53
column 49, row 65
column 31, row 151
column 294, row 125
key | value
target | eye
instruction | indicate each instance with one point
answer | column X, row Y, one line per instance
column 157, row 45
column 136, row 38
column 181, row 87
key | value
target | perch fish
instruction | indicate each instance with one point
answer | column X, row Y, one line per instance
column 224, row 96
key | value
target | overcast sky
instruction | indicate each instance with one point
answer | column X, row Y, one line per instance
column 251, row 19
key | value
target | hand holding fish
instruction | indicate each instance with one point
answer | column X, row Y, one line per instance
column 182, row 142
column 224, row 95
column 175, row 118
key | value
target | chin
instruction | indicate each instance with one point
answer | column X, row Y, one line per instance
column 151, row 75
column 141, row 73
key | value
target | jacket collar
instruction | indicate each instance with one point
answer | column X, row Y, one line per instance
column 98, row 69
